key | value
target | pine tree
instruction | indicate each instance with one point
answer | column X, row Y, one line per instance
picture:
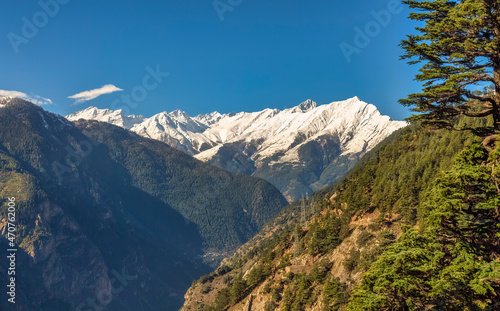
column 458, row 47
column 314, row 244
column 237, row 291
column 333, row 295
column 453, row 261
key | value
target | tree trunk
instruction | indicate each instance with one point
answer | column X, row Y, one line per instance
column 496, row 96
column 489, row 142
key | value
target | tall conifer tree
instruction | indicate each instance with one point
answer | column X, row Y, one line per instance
column 458, row 49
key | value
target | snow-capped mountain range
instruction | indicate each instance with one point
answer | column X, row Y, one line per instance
column 299, row 150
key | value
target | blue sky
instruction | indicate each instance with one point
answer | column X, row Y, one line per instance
column 249, row 55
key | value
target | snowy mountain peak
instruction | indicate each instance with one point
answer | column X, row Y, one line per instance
column 209, row 118
column 4, row 100
column 116, row 117
column 179, row 114
column 305, row 106
column 271, row 140
column 353, row 100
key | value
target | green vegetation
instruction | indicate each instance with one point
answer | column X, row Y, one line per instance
column 238, row 288
column 325, row 235
column 458, row 49
column 398, row 174
column 452, row 262
column 334, row 295
column 393, row 181
column 228, row 209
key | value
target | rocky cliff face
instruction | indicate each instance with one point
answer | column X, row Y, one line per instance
column 299, row 150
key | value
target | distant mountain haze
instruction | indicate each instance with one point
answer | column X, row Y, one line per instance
column 299, row 150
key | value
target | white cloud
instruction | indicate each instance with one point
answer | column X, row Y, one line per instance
column 89, row 95
column 35, row 99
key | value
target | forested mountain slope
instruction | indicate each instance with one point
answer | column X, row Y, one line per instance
column 315, row 253
column 228, row 209
column 108, row 219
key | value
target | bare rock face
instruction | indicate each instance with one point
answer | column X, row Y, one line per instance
column 61, row 252
column 299, row 150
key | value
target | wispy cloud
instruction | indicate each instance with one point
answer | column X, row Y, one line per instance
column 91, row 94
column 35, row 99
